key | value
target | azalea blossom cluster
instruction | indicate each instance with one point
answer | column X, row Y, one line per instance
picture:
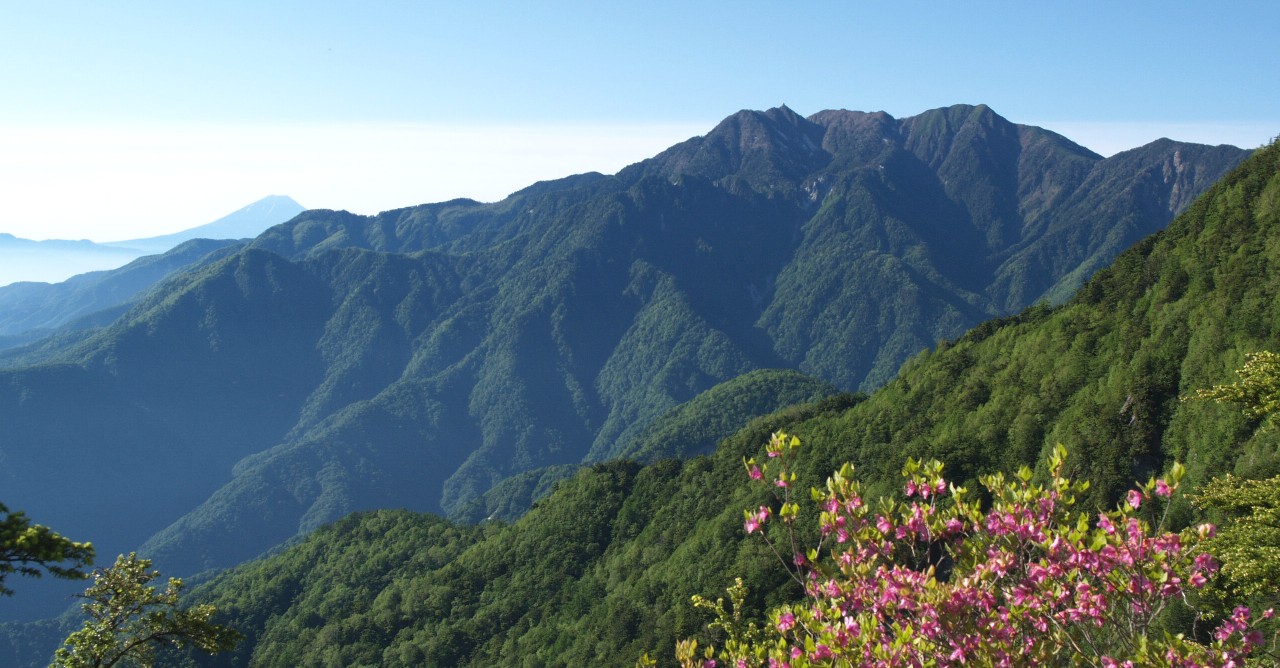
column 942, row 578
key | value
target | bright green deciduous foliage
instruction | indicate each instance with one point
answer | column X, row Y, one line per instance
column 1248, row 539
column 26, row 548
column 1258, row 389
column 129, row 620
column 1247, row 511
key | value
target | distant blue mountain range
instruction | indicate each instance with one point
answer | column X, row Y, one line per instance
column 57, row 260
column 245, row 223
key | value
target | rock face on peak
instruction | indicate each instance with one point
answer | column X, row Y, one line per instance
column 419, row 357
column 763, row 150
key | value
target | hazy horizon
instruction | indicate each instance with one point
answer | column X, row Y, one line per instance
column 132, row 120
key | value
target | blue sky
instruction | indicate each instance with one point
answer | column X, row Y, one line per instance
column 125, row 119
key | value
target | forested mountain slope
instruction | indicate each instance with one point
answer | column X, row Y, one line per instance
column 603, row 568
column 30, row 312
column 692, row 427
column 419, row 357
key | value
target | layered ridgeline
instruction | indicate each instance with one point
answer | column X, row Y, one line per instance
column 32, row 310
column 418, row 357
column 27, row 261
column 603, row 568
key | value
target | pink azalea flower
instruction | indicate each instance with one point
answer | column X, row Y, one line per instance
column 756, row 520
column 1027, row 573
